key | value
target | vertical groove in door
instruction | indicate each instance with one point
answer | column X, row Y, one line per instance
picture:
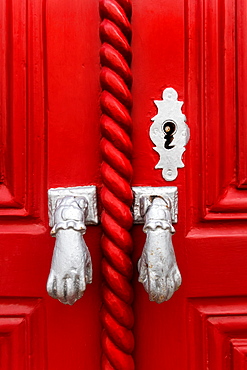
column 116, row 195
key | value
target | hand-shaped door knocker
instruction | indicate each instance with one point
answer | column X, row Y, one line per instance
column 71, row 267
column 157, row 266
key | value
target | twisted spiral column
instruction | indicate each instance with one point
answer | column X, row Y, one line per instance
column 116, row 195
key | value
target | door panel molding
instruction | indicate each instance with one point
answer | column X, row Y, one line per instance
column 215, row 51
column 21, row 323
column 217, row 332
column 241, row 34
column 22, row 102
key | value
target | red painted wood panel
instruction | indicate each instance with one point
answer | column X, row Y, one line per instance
column 38, row 151
column 50, row 137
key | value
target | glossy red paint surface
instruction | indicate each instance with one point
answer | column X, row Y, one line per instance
column 50, row 137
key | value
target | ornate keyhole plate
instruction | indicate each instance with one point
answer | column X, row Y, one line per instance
column 170, row 133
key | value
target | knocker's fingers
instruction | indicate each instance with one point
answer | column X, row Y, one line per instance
column 77, row 287
column 177, row 279
column 170, row 288
column 143, row 278
column 62, row 290
column 152, row 284
column 139, row 265
column 71, row 293
column 81, row 285
column 142, row 268
column 52, row 285
column 161, row 290
column 89, row 272
column 145, row 283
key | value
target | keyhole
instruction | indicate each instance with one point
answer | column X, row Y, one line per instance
column 169, row 129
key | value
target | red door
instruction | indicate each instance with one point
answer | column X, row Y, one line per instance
column 50, row 137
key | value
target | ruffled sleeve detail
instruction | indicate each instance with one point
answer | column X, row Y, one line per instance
column 154, row 224
column 76, row 225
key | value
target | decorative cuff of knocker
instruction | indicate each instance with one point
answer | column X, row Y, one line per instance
column 70, row 224
column 153, row 225
column 70, row 214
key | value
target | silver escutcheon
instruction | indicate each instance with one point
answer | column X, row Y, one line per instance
column 170, row 133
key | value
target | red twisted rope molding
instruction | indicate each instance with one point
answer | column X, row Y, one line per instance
column 116, row 195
